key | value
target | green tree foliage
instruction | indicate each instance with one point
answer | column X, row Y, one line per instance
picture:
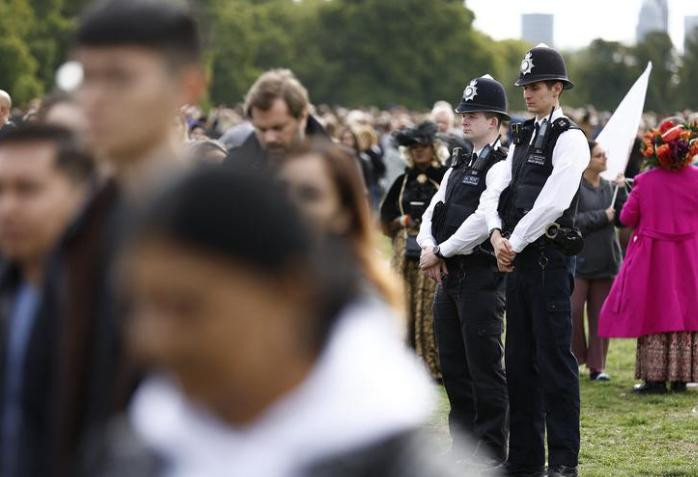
column 661, row 92
column 602, row 73
column 354, row 52
column 688, row 73
column 18, row 65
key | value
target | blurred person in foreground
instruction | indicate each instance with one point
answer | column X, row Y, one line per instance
column 323, row 180
column 45, row 176
column 655, row 296
column 141, row 65
column 264, row 360
column 401, row 214
column 278, row 106
column 598, row 262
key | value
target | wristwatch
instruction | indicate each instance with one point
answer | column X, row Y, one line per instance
column 493, row 230
column 436, row 250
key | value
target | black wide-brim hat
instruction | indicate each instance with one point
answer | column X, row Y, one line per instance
column 543, row 63
column 484, row 94
column 423, row 135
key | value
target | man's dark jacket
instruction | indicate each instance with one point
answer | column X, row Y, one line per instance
column 251, row 153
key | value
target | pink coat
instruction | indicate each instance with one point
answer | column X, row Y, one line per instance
column 656, row 290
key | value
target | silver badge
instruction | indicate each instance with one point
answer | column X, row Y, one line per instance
column 470, row 91
column 527, row 64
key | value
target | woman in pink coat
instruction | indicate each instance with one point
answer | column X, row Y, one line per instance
column 655, row 295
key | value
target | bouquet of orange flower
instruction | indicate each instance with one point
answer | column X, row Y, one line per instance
column 671, row 146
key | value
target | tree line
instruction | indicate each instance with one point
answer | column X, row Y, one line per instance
column 355, row 53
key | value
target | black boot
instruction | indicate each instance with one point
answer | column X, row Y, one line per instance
column 650, row 387
column 562, row 471
column 678, row 387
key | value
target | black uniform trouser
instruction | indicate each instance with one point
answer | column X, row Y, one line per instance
column 468, row 322
column 542, row 373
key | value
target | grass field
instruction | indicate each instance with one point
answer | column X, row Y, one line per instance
column 623, row 434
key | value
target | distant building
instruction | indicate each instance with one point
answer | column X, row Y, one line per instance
column 537, row 28
column 654, row 16
column 690, row 25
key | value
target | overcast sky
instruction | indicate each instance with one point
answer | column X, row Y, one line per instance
column 577, row 22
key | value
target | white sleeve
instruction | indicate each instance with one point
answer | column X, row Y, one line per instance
column 424, row 238
column 473, row 231
column 490, row 198
column 570, row 158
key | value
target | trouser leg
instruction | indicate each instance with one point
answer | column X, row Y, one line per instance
column 481, row 312
column 454, row 364
column 579, row 299
column 526, row 415
column 598, row 347
column 550, row 292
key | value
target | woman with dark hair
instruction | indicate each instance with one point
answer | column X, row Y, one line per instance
column 598, row 262
column 401, row 213
column 263, row 360
column 326, row 185
column 655, row 296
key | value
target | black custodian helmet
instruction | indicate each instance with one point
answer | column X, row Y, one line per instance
column 484, row 94
column 543, row 63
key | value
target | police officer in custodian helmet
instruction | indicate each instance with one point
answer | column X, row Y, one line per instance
column 532, row 232
column 469, row 302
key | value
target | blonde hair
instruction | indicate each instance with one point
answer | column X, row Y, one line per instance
column 366, row 137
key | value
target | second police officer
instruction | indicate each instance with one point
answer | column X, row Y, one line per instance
column 469, row 302
column 532, row 231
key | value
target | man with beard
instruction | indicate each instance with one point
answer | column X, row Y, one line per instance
column 278, row 107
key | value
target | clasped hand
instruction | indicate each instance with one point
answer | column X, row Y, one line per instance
column 503, row 251
column 432, row 266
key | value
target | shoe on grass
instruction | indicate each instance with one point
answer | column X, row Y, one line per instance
column 599, row 376
column 562, row 471
column 650, row 387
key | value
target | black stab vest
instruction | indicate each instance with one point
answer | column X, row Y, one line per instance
column 531, row 171
column 463, row 190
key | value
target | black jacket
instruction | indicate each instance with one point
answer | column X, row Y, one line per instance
column 251, row 154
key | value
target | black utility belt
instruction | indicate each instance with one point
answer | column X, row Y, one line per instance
column 476, row 259
column 566, row 239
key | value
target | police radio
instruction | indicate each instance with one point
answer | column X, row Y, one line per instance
column 537, row 154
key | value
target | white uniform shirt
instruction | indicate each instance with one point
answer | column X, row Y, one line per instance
column 472, row 232
column 570, row 158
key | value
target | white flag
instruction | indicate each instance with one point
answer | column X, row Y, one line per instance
column 619, row 134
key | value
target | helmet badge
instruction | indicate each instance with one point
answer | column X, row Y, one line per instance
column 527, row 64
column 470, row 91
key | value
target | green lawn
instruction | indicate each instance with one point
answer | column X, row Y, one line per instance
column 624, row 434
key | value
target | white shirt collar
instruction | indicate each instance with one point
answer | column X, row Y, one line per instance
column 494, row 146
column 558, row 113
